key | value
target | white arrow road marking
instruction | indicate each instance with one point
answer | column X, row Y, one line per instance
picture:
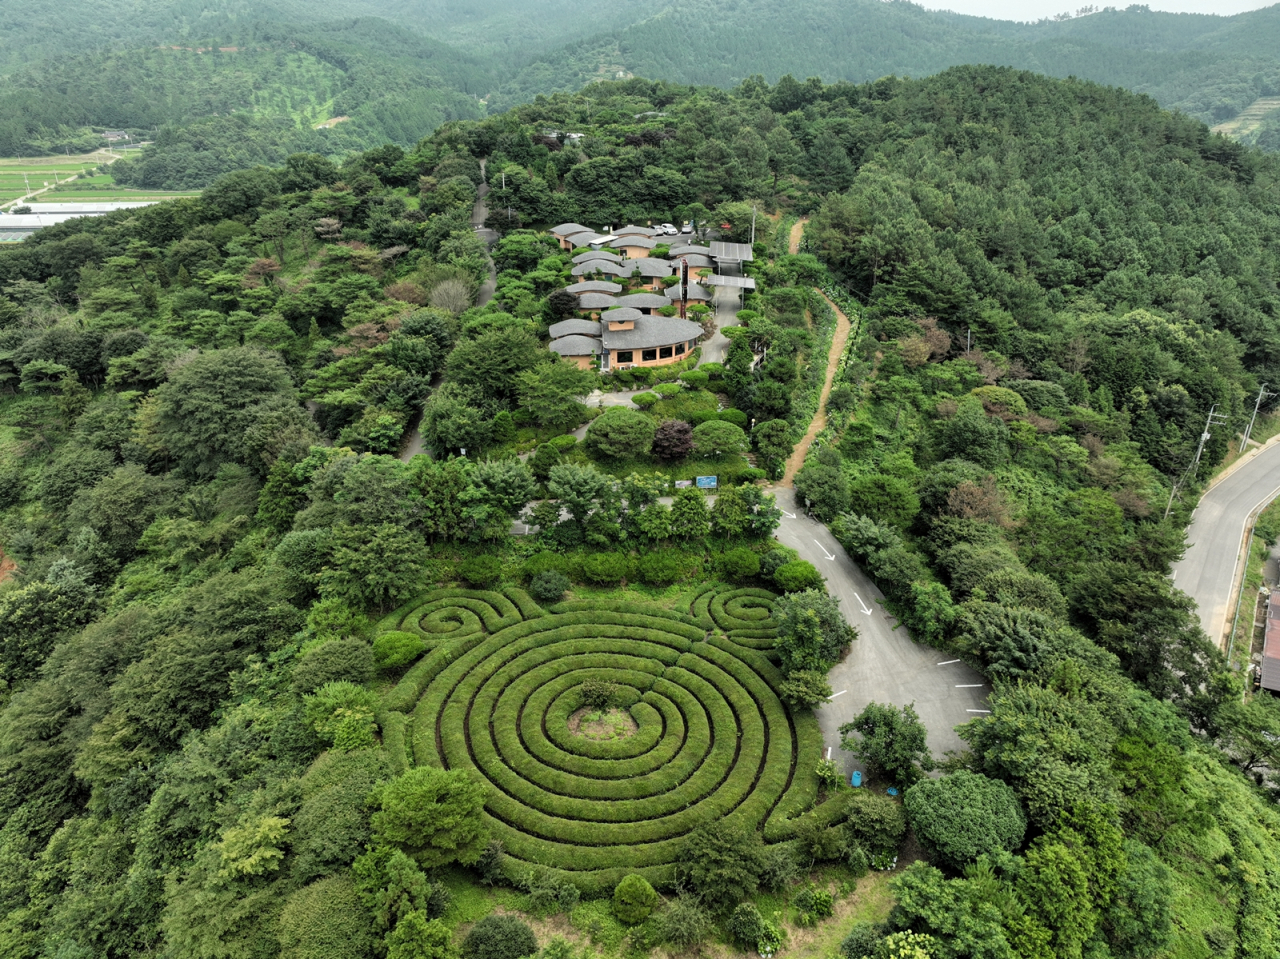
column 824, row 551
column 971, row 686
column 828, row 752
column 862, row 604
column 788, row 515
column 841, row 693
column 949, row 662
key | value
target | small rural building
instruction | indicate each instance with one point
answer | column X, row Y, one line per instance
column 578, row 349
column 15, row 227
column 596, row 255
column 634, row 247
column 604, row 267
column 696, row 261
column 566, row 230
column 632, row 230
column 595, row 303
column 697, row 294
column 690, row 250
column 594, row 286
column 578, row 241
column 622, row 338
column 651, row 271
column 1271, row 645
column 574, row 327
column 644, row 302
column 632, row 339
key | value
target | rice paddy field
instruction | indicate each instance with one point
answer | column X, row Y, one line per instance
column 16, row 174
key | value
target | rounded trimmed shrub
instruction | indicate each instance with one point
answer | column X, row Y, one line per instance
column 662, row 567
column 736, row 417
column 666, row 390
column 550, row 586
column 605, row 568
column 499, row 937
column 645, row 400
column 798, row 575
column 962, row 816
column 395, row 649
column 695, row 379
column 562, row 443
column 541, row 563
column 633, row 900
column 777, row 556
column 738, row 564
column 481, row 571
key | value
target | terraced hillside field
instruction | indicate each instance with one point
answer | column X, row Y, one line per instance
column 501, row 677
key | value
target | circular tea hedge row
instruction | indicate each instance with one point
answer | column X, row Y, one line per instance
column 496, row 691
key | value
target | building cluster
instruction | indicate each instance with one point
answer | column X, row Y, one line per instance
column 622, row 290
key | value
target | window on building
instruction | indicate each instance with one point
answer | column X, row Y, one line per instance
column 679, row 348
column 625, row 356
column 648, row 354
column 665, row 352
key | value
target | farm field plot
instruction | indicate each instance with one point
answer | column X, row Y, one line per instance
column 500, row 679
column 41, row 170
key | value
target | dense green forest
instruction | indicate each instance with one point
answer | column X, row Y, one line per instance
column 222, row 735
column 256, row 98
column 397, row 70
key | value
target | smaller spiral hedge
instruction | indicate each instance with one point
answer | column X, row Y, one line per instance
column 499, row 681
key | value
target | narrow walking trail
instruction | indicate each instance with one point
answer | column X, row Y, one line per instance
column 838, row 341
column 797, row 231
column 413, row 442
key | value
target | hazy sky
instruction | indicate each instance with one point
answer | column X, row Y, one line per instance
column 1035, row 9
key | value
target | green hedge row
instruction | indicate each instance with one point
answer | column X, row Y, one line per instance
column 713, row 739
column 700, row 608
column 524, row 602
column 393, row 726
column 745, row 608
column 448, row 611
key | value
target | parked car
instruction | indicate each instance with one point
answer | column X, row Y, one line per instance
column 687, row 228
column 669, row 230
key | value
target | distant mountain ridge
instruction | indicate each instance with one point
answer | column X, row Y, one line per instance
column 401, row 67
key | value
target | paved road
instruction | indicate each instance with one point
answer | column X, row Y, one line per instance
column 1216, row 537
column 728, row 301
column 886, row 665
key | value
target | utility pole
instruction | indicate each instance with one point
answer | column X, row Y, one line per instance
column 1213, row 419
column 1262, row 392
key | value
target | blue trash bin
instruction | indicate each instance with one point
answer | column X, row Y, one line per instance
column 892, row 790
column 856, row 779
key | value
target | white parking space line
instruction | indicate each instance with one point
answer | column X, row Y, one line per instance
column 971, row 686
column 841, row 693
column 949, row 662
column 977, row 710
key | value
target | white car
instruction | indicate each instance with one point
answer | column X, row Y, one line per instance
column 687, row 228
column 669, row 230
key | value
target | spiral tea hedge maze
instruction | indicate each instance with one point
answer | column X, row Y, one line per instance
column 494, row 691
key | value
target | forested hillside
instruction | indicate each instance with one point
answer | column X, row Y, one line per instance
column 209, row 729
column 1210, row 67
column 397, row 69
column 254, row 96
